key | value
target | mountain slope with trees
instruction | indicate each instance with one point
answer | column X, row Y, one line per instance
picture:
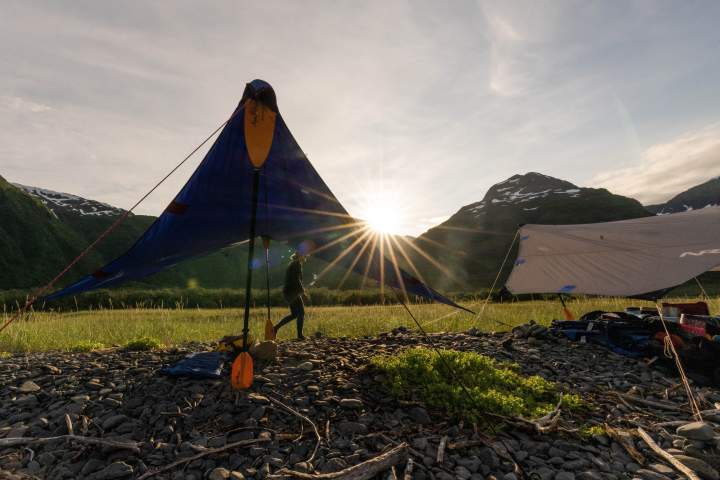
column 468, row 249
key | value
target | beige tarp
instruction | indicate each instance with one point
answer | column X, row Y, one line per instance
column 625, row 258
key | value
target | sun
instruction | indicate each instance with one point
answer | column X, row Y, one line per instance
column 383, row 211
column 383, row 219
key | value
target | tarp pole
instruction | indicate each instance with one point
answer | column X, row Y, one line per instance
column 251, row 253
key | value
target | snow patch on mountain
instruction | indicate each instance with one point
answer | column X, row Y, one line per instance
column 67, row 202
column 524, row 189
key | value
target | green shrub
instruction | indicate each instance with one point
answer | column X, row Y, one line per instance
column 143, row 344
column 86, row 346
column 493, row 387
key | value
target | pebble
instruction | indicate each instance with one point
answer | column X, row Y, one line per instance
column 696, row 431
column 351, row 403
column 219, row 474
column 29, row 386
column 699, row 466
column 112, row 471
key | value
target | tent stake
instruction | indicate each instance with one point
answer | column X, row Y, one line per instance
column 251, row 253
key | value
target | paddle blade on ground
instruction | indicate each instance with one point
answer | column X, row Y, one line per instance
column 269, row 330
column 241, row 374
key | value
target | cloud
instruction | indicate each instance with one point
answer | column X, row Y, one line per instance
column 666, row 169
column 21, row 105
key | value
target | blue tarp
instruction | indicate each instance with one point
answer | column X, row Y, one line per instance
column 199, row 365
column 212, row 212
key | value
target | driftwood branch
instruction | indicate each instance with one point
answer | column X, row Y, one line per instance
column 306, row 419
column 362, row 471
column 667, row 456
column 625, row 439
column 408, row 474
column 209, row 451
column 441, row 450
column 652, row 403
column 11, row 442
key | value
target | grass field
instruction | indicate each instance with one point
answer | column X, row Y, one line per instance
column 65, row 331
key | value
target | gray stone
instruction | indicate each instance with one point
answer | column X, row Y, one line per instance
column 46, row 459
column 352, row 428
column 419, row 443
column 705, row 470
column 304, row 467
column 264, row 351
column 92, row 465
column 307, row 366
column 696, row 431
column 556, row 452
column 113, row 421
column 113, row 471
column 462, row 472
column 29, row 387
column 216, row 442
column 510, row 476
column 334, row 465
column 219, row 474
column 419, row 415
column 661, row 468
column 471, row 463
column 632, row 467
column 563, row 475
column 646, row 474
column 351, row 403
column 544, row 473
column 575, row 465
column 489, row 457
column 589, row 475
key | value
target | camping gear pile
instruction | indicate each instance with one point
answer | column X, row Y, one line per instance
column 639, row 332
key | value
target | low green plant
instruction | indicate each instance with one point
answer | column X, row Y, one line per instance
column 588, row 431
column 573, row 401
column 489, row 386
column 86, row 346
column 143, row 344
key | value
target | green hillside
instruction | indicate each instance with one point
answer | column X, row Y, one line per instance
column 36, row 245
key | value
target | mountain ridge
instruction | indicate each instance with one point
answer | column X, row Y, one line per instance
column 462, row 253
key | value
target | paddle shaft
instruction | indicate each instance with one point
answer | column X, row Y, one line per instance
column 267, row 275
column 251, row 253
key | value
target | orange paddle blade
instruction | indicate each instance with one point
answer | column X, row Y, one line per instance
column 269, row 330
column 241, row 375
column 568, row 314
column 259, row 130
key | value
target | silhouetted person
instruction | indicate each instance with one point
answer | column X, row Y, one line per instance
column 293, row 292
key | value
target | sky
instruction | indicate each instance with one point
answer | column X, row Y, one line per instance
column 417, row 107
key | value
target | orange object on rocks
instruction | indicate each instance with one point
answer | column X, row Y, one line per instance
column 241, row 374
